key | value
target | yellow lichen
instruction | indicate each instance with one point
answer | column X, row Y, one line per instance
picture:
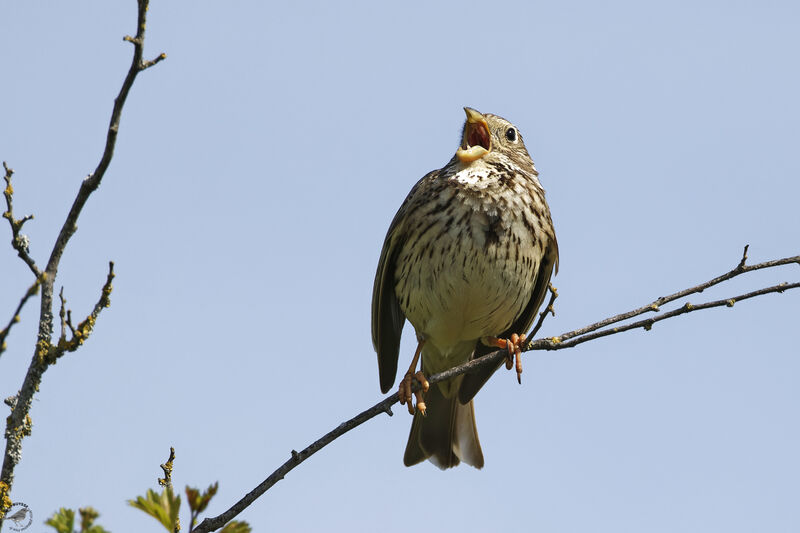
column 5, row 501
column 105, row 300
column 24, row 429
column 42, row 350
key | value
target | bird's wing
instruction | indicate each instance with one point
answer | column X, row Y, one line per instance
column 473, row 382
column 19, row 515
column 387, row 317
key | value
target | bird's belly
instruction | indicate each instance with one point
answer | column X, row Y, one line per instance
column 462, row 287
column 469, row 307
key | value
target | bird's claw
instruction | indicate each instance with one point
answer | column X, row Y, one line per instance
column 514, row 347
column 405, row 391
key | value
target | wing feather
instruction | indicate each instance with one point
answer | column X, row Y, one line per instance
column 387, row 316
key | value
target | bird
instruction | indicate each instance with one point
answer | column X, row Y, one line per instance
column 19, row 516
column 467, row 260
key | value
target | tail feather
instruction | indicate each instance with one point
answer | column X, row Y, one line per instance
column 446, row 436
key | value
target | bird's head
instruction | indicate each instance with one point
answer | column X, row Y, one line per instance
column 492, row 138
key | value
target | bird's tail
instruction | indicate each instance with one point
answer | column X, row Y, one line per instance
column 446, row 435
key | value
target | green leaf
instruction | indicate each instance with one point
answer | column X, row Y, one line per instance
column 163, row 507
column 95, row 529
column 88, row 516
column 62, row 520
column 234, row 526
column 198, row 502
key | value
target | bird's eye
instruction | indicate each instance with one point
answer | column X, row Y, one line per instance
column 511, row 134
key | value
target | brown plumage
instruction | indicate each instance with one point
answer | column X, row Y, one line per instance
column 467, row 258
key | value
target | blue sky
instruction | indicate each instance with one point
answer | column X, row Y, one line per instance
column 256, row 172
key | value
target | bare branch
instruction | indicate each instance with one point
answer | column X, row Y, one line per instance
column 34, row 289
column 744, row 257
column 92, row 182
column 654, row 306
column 18, row 424
column 212, row 524
column 166, row 481
column 82, row 331
column 62, row 313
column 548, row 309
column 555, row 343
column 18, row 240
column 577, row 336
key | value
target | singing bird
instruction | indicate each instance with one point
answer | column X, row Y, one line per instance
column 467, row 260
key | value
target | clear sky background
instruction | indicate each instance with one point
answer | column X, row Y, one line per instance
column 256, row 173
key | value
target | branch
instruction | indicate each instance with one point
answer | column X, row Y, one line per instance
column 34, row 289
column 18, row 424
column 572, row 338
column 555, row 343
column 92, row 182
column 581, row 335
column 548, row 309
column 84, row 329
column 166, row 481
column 18, row 240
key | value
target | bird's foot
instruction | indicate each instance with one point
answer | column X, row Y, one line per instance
column 407, row 382
column 405, row 391
column 514, row 347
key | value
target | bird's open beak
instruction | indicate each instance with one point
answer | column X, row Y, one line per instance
column 476, row 141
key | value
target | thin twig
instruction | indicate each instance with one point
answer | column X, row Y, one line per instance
column 548, row 309
column 45, row 353
column 654, row 306
column 15, row 318
column 554, row 343
column 578, row 336
column 212, row 524
column 92, row 182
column 166, row 481
column 81, row 332
column 18, row 240
column 62, row 314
